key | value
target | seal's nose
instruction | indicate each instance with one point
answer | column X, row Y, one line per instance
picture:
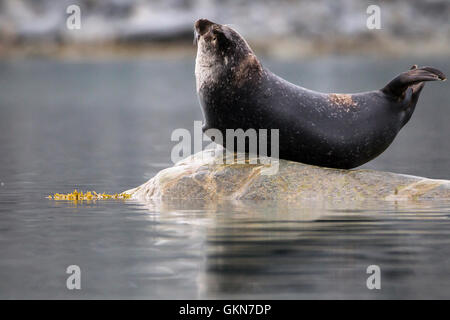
column 202, row 26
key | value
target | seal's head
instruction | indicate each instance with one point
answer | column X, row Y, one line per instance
column 221, row 52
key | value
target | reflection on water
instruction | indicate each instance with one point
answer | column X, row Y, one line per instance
column 318, row 250
column 106, row 127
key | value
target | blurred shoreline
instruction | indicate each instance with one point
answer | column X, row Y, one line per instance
column 278, row 48
column 275, row 28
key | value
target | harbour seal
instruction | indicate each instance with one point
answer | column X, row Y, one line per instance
column 331, row 130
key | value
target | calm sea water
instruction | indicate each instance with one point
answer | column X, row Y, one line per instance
column 106, row 126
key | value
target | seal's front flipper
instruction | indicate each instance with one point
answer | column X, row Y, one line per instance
column 413, row 79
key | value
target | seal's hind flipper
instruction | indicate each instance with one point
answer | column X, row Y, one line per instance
column 412, row 78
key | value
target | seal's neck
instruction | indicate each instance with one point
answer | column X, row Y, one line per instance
column 207, row 70
column 226, row 71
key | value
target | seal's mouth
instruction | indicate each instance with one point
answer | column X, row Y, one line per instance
column 201, row 27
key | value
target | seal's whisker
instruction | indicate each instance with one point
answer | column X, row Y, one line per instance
column 195, row 37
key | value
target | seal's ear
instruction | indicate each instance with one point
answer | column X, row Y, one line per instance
column 227, row 33
column 224, row 36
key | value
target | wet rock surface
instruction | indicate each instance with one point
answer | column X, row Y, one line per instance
column 211, row 176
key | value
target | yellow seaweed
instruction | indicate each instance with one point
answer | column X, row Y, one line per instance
column 88, row 196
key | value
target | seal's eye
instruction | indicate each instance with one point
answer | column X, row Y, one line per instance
column 214, row 34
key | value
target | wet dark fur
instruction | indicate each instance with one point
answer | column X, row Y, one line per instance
column 331, row 130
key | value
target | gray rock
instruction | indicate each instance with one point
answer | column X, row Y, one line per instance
column 211, row 176
column 262, row 21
